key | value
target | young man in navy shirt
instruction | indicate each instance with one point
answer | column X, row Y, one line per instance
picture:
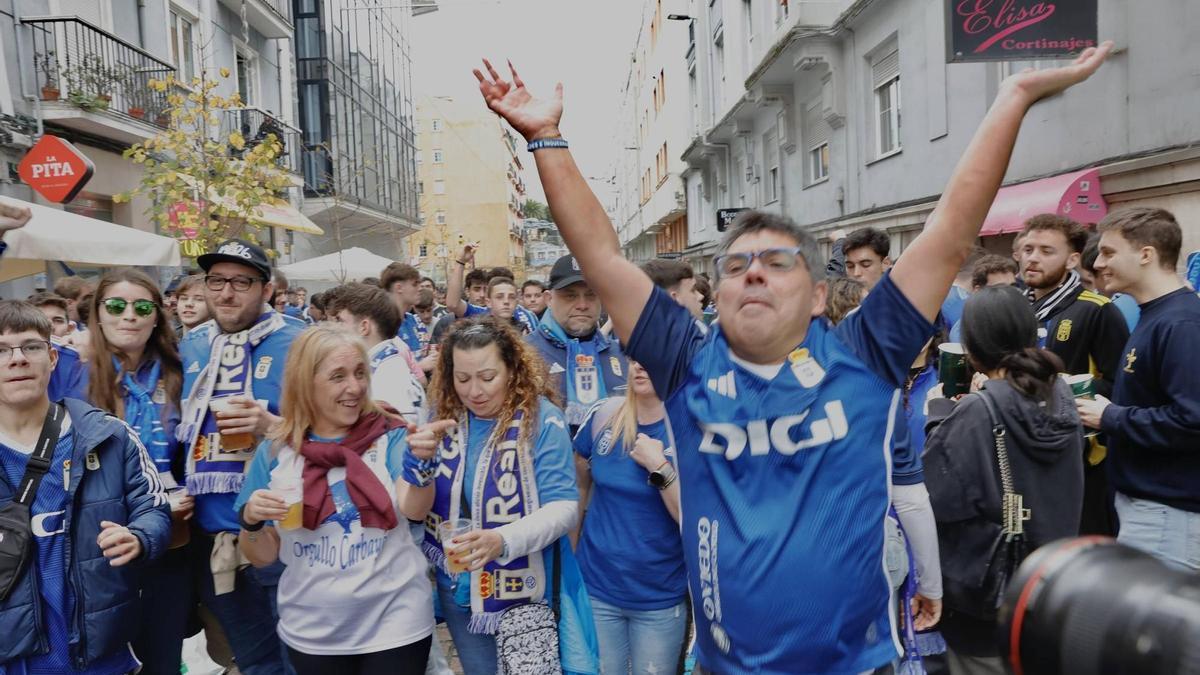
column 783, row 425
column 1153, row 420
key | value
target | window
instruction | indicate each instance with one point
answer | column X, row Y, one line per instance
column 419, row 158
column 771, row 162
column 420, row 187
column 694, row 99
column 440, row 218
column 183, row 50
column 436, row 125
column 816, row 143
column 885, row 71
column 246, row 70
column 739, row 179
column 423, row 250
column 437, row 157
column 748, row 43
column 439, row 187
column 719, row 78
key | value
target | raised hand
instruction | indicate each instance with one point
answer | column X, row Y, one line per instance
column 533, row 118
column 1038, row 84
column 13, row 217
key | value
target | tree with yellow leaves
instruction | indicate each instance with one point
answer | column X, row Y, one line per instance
column 206, row 185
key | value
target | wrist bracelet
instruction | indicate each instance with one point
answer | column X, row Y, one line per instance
column 547, row 143
column 460, row 262
column 247, row 526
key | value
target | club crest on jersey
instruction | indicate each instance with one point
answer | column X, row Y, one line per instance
column 728, row 439
column 92, row 461
column 808, row 372
column 160, row 394
column 263, row 368
column 616, row 365
column 604, row 443
column 586, row 390
column 1064, row 331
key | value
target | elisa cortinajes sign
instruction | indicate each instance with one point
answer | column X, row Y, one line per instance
column 1001, row 30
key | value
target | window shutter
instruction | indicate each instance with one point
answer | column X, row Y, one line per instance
column 816, row 131
column 886, row 67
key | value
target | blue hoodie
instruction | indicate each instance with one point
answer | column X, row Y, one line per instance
column 117, row 483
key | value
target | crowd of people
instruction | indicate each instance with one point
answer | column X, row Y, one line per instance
column 800, row 465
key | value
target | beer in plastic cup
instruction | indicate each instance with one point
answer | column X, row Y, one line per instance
column 953, row 372
column 239, row 441
column 1082, row 386
column 447, row 530
column 292, row 491
column 181, row 531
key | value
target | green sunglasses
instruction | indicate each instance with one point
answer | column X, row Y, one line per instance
column 116, row 306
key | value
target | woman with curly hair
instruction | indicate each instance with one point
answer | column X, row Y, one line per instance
column 135, row 374
column 508, row 470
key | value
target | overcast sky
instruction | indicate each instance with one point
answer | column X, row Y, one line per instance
column 585, row 44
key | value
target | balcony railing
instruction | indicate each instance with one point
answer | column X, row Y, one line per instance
column 78, row 63
column 255, row 125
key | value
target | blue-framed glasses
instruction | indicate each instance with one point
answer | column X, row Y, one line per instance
column 781, row 259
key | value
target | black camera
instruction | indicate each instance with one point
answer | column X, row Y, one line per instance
column 1090, row 605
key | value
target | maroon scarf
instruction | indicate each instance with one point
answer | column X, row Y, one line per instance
column 369, row 495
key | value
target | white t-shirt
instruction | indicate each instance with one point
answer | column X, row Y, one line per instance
column 392, row 382
column 348, row 589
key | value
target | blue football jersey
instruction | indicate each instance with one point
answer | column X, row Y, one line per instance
column 785, row 484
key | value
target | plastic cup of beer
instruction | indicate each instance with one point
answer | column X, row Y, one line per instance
column 239, row 441
column 292, row 492
column 448, row 530
column 180, row 528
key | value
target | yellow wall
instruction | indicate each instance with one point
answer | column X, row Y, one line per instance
column 482, row 178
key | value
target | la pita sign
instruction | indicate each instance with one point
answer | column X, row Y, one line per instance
column 55, row 169
column 1001, row 30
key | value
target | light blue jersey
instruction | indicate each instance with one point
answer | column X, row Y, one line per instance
column 785, row 484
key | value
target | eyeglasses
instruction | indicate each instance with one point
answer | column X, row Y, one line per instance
column 773, row 259
column 33, row 350
column 217, row 284
column 116, row 306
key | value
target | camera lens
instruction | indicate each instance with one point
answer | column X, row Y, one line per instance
column 1090, row 606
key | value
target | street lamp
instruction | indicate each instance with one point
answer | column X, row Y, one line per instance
column 680, row 17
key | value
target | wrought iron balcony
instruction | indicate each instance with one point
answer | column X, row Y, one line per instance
column 256, row 125
column 83, row 69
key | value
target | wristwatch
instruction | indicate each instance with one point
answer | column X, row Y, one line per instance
column 663, row 476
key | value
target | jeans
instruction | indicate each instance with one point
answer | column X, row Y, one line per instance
column 476, row 652
column 167, row 604
column 247, row 614
column 1172, row 535
column 639, row 641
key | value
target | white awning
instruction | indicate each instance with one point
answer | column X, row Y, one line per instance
column 348, row 265
column 54, row 234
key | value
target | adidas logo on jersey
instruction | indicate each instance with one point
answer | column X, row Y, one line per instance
column 724, row 385
column 728, row 439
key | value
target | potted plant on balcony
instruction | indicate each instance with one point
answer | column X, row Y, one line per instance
column 49, row 67
column 89, row 83
column 136, row 91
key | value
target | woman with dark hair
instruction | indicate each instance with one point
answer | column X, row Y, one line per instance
column 135, row 374
column 1043, row 440
column 507, row 471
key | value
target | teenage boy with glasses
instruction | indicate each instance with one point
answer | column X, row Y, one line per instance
column 99, row 506
column 783, row 424
column 236, row 358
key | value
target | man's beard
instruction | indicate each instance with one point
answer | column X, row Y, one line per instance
column 1046, row 281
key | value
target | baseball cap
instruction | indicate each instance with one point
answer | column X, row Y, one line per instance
column 238, row 251
column 565, row 272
